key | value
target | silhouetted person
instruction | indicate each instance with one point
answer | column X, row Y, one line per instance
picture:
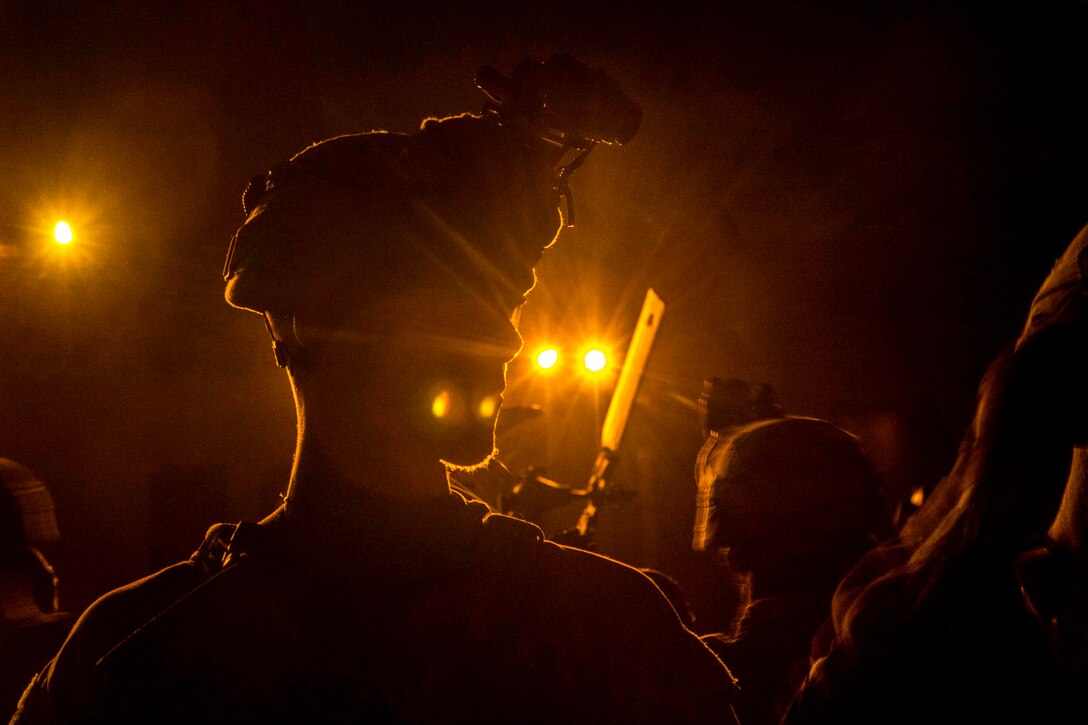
column 387, row 268
column 32, row 626
column 790, row 503
column 977, row 610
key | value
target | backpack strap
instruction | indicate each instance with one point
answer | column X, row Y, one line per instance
column 214, row 566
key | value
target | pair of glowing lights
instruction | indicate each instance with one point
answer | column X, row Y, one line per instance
column 445, row 406
column 594, row 360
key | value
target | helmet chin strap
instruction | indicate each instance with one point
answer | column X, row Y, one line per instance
column 282, row 349
column 562, row 184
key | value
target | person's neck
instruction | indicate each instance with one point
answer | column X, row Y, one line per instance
column 329, row 472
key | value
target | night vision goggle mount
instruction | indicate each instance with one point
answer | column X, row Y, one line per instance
column 564, row 103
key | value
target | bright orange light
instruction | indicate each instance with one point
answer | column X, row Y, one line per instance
column 595, row 360
column 546, row 359
column 440, row 406
column 62, row 232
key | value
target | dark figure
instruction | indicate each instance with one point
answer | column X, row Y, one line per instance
column 387, row 268
column 790, row 503
column 977, row 610
column 32, row 625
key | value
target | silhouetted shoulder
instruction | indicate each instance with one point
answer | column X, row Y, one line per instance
column 631, row 640
column 285, row 633
column 70, row 682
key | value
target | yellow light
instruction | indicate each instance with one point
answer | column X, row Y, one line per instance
column 546, row 359
column 62, row 232
column 488, row 406
column 440, row 406
column 595, row 361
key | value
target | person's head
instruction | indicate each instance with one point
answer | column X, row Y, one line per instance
column 796, row 503
column 28, row 584
column 388, row 268
column 729, row 402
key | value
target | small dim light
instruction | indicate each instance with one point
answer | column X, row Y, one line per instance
column 488, row 407
column 62, row 232
column 440, row 406
column 595, row 361
column 918, row 497
column 546, row 359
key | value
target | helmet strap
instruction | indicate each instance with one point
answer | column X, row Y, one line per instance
column 282, row 349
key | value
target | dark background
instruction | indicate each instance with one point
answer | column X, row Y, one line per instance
column 853, row 202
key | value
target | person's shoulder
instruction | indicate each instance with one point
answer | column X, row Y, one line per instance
column 72, row 680
column 615, row 578
column 68, row 683
column 623, row 614
column 548, row 560
column 589, row 582
column 117, row 613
